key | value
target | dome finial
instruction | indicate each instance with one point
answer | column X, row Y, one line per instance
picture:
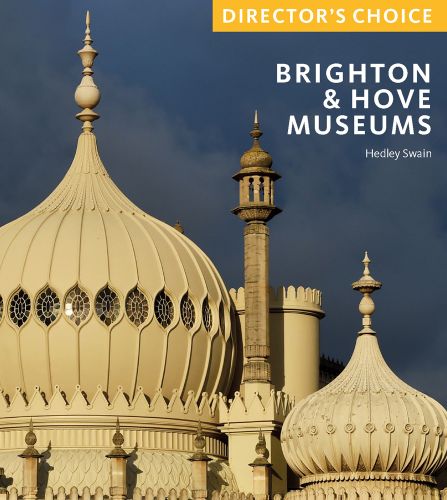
column 30, row 440
column 87, row 95
column 256, row 156
column 118, row 441
column 366, row 285
column 199, row 445
column 262, row 452
column 179, row 227
column 256, row 133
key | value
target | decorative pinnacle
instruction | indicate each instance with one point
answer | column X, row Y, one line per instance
column 118, row 441
column 88, row 39
column 261, row 451
column 199, row 440
column 256, row 157
column 256, row 133
column 30, row 440
column 199, row 445
column 87, row 95
column 179, row 227
column 366, row 285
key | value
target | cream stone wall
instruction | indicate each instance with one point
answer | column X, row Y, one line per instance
column 295, row 314
column 242, row 417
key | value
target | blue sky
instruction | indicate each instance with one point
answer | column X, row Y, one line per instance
column 177, row 105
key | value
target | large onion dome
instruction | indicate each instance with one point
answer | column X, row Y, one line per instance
column 95, row 292
column 366, row 420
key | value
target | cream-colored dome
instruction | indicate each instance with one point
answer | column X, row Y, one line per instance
column 95, row 292
column 88, row 235
column 366, row 419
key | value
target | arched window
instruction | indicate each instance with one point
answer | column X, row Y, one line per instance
column 207, row 315
column 188, row 312
column 164, row 309
column 77, row 305
column 107, row 305
column 48, row 306
column 261, row 189
column 251, row 189
column 20, row 307
column 137, row 307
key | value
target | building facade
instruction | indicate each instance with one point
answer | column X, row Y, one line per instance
column 129, row 370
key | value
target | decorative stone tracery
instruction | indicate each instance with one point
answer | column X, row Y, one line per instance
column 19, row 307
column 77, row 305
column 137, row 307
column 188, row 312
column 164, row 309
column 47, row 306
column 107, row 306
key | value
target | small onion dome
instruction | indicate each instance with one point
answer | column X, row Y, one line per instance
column 367, row 419
column 256, row 157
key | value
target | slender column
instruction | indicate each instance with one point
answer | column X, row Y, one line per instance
column 30, row 458
column 199, row 466
column 256, row 270
column 118, row 462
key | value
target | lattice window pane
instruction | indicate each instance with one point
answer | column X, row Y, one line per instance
column 207, row 315
column 137, row 307
column 20, row 307
column 48, row 306
column 77, row 305
column 164, row 309
column 188, row 313
column 107, row 306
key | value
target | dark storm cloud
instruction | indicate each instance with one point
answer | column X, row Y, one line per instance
column 176, row 109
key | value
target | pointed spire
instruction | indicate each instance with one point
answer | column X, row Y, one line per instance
column 256, row 156
column 261, row 451
column 179, row 227
column 366, row 285
column 256, row 133
column 118, row 441
column 199, row 445
column 30, row 440
column 87, row 95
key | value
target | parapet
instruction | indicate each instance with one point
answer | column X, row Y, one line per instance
column 291, row 299
column 155, row 423
column 238, row 409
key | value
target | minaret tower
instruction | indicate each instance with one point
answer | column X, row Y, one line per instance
column 256, row 207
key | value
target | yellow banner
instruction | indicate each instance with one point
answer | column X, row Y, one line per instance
column 329, row 15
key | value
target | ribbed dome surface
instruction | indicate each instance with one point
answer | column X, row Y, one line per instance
column 95, row 291
column 366, row 419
